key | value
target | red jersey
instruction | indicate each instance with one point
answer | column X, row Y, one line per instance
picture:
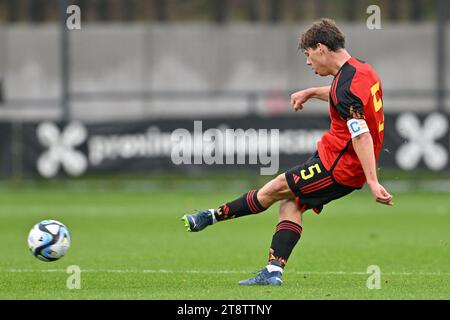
column 355, row 93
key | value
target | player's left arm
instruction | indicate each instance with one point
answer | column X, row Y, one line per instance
column 363, row 146
column 350, row 108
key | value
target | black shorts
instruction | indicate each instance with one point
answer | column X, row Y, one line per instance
column 313, row 185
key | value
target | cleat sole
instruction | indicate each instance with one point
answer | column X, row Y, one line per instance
column 186, row 223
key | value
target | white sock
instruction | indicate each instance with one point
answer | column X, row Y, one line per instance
column 271, row 268
column 213, row 216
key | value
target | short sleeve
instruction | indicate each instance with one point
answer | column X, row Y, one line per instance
column 349, row 105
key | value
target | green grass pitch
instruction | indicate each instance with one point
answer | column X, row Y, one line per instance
column 132, row 245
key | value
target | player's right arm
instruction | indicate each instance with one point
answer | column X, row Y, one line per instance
column 300, row 97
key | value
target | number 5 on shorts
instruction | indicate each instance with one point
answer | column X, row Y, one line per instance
column 311, row 172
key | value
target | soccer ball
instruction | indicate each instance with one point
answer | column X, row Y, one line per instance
column 49, row 240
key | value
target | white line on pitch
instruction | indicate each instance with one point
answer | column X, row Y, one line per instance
column 227, row 272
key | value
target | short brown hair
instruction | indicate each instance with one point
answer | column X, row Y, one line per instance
column 323, row 31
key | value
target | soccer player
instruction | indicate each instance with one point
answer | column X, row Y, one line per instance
column 345, row 159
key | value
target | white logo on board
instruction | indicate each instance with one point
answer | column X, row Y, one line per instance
column 422, row 141
column 61, row 150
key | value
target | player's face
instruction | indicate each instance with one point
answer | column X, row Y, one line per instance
column 317, row 60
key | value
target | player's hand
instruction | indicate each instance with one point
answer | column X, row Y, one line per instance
column 380, row 194
column 299, row 98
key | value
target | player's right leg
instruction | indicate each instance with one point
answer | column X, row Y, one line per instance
column 252, row 202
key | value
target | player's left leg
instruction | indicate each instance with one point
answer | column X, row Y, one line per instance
column 252, row 202
column 287, row 234
column 313, row 187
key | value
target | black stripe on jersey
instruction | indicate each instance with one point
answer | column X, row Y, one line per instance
column 348, row 105
column 339, row 156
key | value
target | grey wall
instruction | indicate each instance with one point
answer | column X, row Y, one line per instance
column 116, row 58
